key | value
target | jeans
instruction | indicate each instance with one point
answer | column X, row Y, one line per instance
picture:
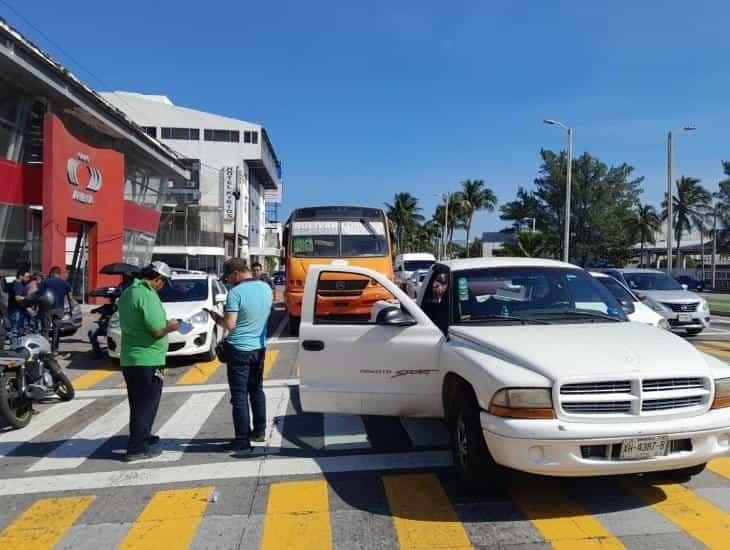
column 144, row 388
column 18, row 324
column 245, row 379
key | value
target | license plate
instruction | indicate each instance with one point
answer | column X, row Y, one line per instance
column 684, row 317
column 644, row 447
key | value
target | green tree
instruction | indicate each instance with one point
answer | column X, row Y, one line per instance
column 643, row 225
column 525, row 206
column 405, row 216
column 603, row 198
column 527, row 243
column 474, row 196
column 691, row 204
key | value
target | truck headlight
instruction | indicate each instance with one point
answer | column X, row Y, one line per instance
column 114, row 321
column 200, row 318
column 722, row 393
column 704, row 306
column 523, row 403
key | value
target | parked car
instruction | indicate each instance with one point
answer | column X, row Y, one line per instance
column 414, row 282
column 185, row 298
column 684, row 310
column 633, row 307
column 535, row 368
column 405, row 265
column 690, row 283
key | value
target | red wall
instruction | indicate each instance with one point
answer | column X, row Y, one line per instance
column 105, row 212
column 20, row 183
column 141, row 218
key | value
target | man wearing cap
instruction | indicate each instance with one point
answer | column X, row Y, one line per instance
column 144, row 348
column 246, row 316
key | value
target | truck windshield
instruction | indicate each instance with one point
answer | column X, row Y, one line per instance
column 185, row 290
column 651, row 281
column 533, row 294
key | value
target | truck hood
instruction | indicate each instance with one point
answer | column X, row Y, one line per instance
column 674, row 296
column 183, row 310
column 588, row 349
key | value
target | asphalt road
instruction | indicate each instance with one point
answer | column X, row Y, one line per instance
column 319, row 481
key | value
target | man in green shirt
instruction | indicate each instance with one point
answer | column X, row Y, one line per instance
column 144, row 348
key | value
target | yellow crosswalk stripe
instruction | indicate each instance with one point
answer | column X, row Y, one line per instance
column 94, row 377
column 562, row 522
column 720, row 466
column 715, row 344
column 170, row 520
column 423, row 516
column 271, row 357
column 696, row 516
column 713, row 351
column 199, row 373
column 44, row 523
column 297, row 516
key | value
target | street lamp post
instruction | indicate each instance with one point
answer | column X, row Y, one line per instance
column 444, row 236
column 568, row 174
column 670, row 201
column 533, row 223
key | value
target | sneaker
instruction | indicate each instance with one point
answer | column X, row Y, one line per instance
column 241, row 446
column 153, row 440
column 153, row 451
column 258, row 437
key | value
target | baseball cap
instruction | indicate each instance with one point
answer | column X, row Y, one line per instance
column 161, row 268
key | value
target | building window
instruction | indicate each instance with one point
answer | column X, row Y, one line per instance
column 150, row 131
column 192, row 134
column 250, row 137
column 222, row 135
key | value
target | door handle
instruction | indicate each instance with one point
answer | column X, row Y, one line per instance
column 313, row 345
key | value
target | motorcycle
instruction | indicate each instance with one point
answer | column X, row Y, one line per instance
column 105, row 312
column 28, row 374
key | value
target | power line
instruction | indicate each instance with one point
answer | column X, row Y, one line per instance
column 64, row 52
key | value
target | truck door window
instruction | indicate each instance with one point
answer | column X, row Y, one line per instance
column 349, row 299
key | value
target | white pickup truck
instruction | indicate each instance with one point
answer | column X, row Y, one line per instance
column 532, row 364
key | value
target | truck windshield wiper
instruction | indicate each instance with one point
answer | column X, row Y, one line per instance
column 522, row 320
column 593, row 315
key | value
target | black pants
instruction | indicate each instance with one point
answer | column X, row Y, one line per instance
column 144, row 389
column 245, row 379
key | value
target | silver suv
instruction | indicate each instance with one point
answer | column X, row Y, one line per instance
column 684, row 310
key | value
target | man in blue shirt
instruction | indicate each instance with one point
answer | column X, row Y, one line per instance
column 61, row 289
column 16, row 305
column 246, row 317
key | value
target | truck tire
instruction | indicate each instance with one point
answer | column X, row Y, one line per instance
column 473, row 461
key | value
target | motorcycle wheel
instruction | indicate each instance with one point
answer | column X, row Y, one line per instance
column 16, row 409
column 61, row 383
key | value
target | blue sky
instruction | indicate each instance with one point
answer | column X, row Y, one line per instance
column 363, row 100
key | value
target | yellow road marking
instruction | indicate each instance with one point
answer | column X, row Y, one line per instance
column 563, row 523
column 170, row 519
column 93, row 377
column 271, row 356
column 199, row 373
column 720, row 466
column 44, row 523
column 696, row 516
column 714, row 351
column 297, row 516
column 423, row 516
column 715, row 344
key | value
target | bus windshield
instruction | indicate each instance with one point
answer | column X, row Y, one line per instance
column 338, row 239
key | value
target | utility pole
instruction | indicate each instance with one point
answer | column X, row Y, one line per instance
column 670, row 203
column 446, row 227
column 714, row 246
column 568, row 175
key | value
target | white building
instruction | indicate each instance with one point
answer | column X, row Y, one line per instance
column 237, row 173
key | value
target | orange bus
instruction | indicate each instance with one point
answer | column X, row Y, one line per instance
column 338, row 235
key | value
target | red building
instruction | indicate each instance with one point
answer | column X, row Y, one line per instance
column 80, row 184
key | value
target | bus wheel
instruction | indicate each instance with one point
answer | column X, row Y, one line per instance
column 294, row 326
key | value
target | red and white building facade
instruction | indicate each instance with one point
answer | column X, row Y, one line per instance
column 79, row 182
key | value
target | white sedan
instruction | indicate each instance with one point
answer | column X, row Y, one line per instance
column 185, row 298
column 635, row 309
column 531, row 363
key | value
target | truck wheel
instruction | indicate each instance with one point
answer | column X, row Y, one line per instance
column 472, row 459
column 684, row 474
column 294, row 326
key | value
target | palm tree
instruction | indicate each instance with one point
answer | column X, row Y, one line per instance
column 691, row 203
column 405, row 215
column 475, row 197
column 530, row 244
column 643, row 225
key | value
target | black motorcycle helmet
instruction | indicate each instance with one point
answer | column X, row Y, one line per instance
column 45, row 300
